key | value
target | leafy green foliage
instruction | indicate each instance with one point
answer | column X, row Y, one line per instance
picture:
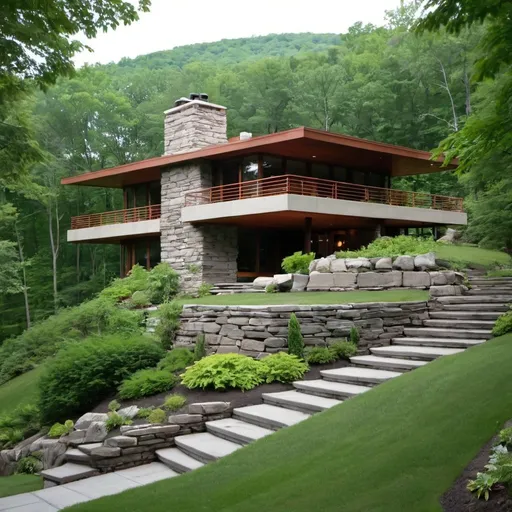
column 343, row 349
column 174, row 402
column 82, row 373
column 204, row 290
column 116, row 420
column 504, row 272
column 271, row 288
column 114, row 406
column 282, row 367
column 503, row 324
column 354, row 336
column 176, row 359
column 505, row 436
column 157, row 416
column 23, row 422
column 224, row 371
column 482, row 485
column 28, row 466
column 320, row 355
column 298, row 263
column 146, row 383
column 395, row 246
column 144, row 412
column 295, row 339
column 61, row 429
column 169, row 322
column 163, row 283
column 200, row 347
column 140, row 299
column 136, row 280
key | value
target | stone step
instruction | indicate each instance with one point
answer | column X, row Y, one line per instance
column 474, row 299
column 68, row 472
column 491, row 289
column 436, row 332
column 330, row 389
column 76, row 455
column 147, row 473
column 237, row 431
column 490, row 280
column 387, row 363
column 461, row 315
column 177, row 460
column 205, row 446
column 460, row 324
column 474, row 307
column 301, row 402
column 351, row 374
column 421, row 353
column 269, row 416
column 437, row 342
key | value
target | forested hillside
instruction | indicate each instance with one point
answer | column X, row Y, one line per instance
column 386, row 84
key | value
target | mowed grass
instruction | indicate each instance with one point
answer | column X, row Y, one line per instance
column 20, row 391
column 309, row 298
column 468, row 255
column 16, row 484
column 398, row 447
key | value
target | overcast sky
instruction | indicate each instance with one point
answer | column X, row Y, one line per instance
column 171, row 23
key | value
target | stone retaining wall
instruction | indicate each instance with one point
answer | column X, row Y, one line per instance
column 260, row 330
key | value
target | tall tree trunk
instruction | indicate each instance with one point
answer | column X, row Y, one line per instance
column 55, row 246
column 23, row 274
column 447, row 88
column 467, row 88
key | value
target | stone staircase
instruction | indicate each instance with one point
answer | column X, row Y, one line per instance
column 230, row 288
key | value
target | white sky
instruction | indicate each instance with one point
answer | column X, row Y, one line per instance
column 173, row 23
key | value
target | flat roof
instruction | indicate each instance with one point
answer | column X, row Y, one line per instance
column 301, row 143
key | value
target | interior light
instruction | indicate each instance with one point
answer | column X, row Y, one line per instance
column 314, row 156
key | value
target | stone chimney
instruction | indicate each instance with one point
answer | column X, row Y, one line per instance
column 194, row 123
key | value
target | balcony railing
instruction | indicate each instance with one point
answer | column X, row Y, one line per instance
column 92, row 220
column 314, row 187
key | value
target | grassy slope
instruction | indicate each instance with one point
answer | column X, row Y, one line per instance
column 19, row 391
column 241, row 299
column 468, row 254
column 16, row 484
column 397, row 447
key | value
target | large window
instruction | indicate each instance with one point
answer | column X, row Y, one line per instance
column 142, row 251
column 143, row 194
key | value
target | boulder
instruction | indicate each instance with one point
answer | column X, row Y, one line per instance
column 158, row 430
column 346, row 280
column 275, row 342
column 260, row 283
column 300, row 281
column 391, row 279
column 54, row 455
column 425, row 261
column 319, row 281
column 416, row 279
column 323, row 265
column 96, row 432
column 185, row 419
column 331, row 256
column 338, row 266
column 105, row 452
column 121, row 441
column 312, row 266
column 284, row 282
column 209, row 407
column 254, row 345
column 129, row 412
column 438, row 278
column 447, row 290
column 227, row 349
column 384, row 264
column 404, row 263
column 358, row 264
column 450, row 236
column 90, row 417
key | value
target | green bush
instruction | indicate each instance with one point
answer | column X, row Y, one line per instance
column 59, row 429
column 271, row 288
column 144, row 412
column 115, row 420
column 204, row 290
column 140, row 299
column 83, row 373
column 200, row 347
column 354, row 336
column 163, row 283
column 482, row 485
column 146, row 383
column 114, row 406
column 295, row 339
column 506, row 436
column 169, row 323
column 298, row 263
column 392, row 246
column 174, row 402
column 121, row 288
column 157, row 416
column 176, row 359
column 18, row 425
column 504, row 272
column 320, row 355
column 28, row 466
column 503, row 325
column 223, row 371
column 343, row 349
column 282, row 367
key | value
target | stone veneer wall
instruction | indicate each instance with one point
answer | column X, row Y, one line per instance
column 259, row 330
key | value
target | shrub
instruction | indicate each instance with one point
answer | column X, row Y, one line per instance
column 343, row 349
column 200, row 347
column 320, row 355
column 163, row 283
column 174, row 402
column 59, row 429
column 83, row 373
column 140, row 300
column 19, row 424
column 204, row 290
column 283, row 367
column 354, row 336
column 298, row 263
column 271, row 288
column 504, row 272
column 28, row 466
column 115, row 420
column 169, row 323
column 11, row 437
column 157, row 416
column 146, row 383
column 144, row 412
column 222, row 371
column 506, row 436
column 136, row 280
column 114, row 406
column 176, row 359
column 295, row 339
column 482, row 485
column 395, row 246
column 503, row 324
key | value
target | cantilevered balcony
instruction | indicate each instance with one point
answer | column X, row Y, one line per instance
column 115, row 225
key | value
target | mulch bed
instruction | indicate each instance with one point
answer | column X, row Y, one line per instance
column 459, row 499
column 236, row 397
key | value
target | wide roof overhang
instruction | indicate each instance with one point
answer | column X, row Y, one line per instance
column 300, row 143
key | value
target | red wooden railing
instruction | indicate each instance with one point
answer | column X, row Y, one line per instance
column 116, row 217
column 306, row 186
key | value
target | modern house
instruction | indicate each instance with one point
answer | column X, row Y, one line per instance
column 219, row 210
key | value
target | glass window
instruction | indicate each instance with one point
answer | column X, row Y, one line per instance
column 375, row 179
column 272, row 166
column 321, row 171
column 249, row 169
column 296, row 167
column 340, row 173
column 154, row 251
column 141, row 195
column 154, row 192
column 130, row 197
column 358, row 177
column 230, row 171
column 247, row 250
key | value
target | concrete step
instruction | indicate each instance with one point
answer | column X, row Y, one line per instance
column 437, row 342
column 76, row 455
column 460, row 324
column 205, row 446
column 177, row 460
column 147, row 473
column 421, row 353
column 68, row 472
column 330, row 389
column 301, row 402
column 474, row 307
column 387, row 363
column 462, row 315
column 237, row 431
column 490, row 289
column 475, row 299
column 436, row 332
column 269, row 416
column 352, row 375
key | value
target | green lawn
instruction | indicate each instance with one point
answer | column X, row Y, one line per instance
column 396, row 448
column 308, row 298
column 16, row 484
column 468, row 255
column 19, row 391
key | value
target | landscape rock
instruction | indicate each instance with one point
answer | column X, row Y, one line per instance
column 129, row 412
column 232, row 331
column 300, row 281
column 260, row 283
column 104, row 452
column 275, row 342
column 284, row 282
column 84, row 421
column 404, row 263
column 320, row 281
column 446, row 290
column 96, row 432
column 227, row 349
column 425, row 261
column 438, row 278
column 345, row 280
column 255, row 345
column 384, row 264
column 153, row 429
column 338, row 265
column 209, row 407
column 450, row 236
column 185, row 419
column 126, row 428
column 358, row 264
column 323, row 265
column 53, row 455
column 121, row 441
column 379, row 279
column 416, row 279
column 312, row 266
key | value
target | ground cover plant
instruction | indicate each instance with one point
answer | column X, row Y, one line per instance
column 18, row 424
column 176, row 359
column 504, row 272
column 404, row 461
column 503, row 324
column 283, row 367
column 320, row 355
column 147, row 382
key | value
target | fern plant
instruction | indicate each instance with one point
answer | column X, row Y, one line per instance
column 282, row 367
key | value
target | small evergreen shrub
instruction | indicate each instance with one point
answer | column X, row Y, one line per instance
column 354, row 336
column 28, row 466
column 140, row 299
column 174, row 402
column 157, row 416
column 271, row 288
column 224, row 371
column 283, row 367
column 146, row 383
column 163, row 283
column 343, row 349
column 298, row 263
column 204, row 290
column 295, row 339
column 177, row 359
column 115, row 420
column 503, row 325
column 320, row 355
column 169, row 323
column 200, row 347
column 59, row 429
column 114, row 406
column 144, row 412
